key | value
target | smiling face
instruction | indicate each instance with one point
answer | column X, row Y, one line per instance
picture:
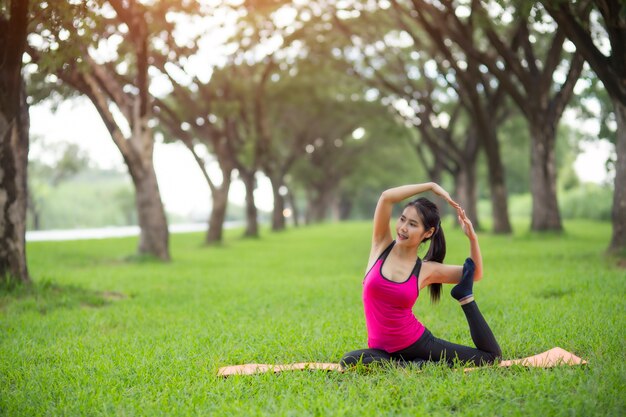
column 410, row 229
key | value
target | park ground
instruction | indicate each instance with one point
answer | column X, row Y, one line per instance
column 105, row 333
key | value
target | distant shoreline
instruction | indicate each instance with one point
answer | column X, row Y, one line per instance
column 113, row 232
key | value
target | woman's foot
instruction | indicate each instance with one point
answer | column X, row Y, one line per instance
column 463, row 291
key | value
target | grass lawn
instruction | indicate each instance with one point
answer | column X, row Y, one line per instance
column 101, row 334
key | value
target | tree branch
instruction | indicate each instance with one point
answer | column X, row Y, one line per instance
column 581, row 37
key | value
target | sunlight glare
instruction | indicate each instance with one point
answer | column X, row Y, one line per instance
column 284, row 16
column 358, row 133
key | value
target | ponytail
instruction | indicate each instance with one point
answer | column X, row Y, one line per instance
column 436, row 252
column 429, row 213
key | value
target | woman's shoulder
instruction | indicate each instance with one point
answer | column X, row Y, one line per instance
column 380, row 247
column 377, row 250
column 428, row 269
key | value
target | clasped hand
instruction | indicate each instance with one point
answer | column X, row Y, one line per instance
column 465, row 222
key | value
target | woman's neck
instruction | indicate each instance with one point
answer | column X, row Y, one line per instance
column 405, row 252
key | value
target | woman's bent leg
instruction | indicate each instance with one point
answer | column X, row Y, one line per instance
column 365, row 357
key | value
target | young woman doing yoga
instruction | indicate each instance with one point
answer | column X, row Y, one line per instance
column 396, row 276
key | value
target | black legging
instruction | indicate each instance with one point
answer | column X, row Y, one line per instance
column 430, row 348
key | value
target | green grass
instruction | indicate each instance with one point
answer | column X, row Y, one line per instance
column 104, row 334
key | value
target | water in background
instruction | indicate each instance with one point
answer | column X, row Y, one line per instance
column 112, row 232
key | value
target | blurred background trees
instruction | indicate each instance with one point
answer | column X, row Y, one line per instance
column 332, row 101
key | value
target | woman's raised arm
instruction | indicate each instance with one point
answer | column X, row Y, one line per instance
column 381, row 236
column 451, row 274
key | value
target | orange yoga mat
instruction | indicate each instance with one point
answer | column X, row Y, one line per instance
column 553, row 357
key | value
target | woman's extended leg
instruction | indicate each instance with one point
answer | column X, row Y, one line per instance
column 481, row 334
column 429, row 347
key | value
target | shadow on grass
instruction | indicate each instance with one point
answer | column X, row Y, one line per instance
column 143, row 258
column 128, row 260
column 554, row 292
column 46, row 296
column 617, row 258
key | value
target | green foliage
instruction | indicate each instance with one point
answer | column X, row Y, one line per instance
column 319, row 111
column 64, row 192
column 593, row 103
column 100, row 335
column 520, row 207
column 92, row 199
column 392, row 162
column 59, row 34
column 589, row 201
column 55, row 162
column 515, row 150
column 586, row 202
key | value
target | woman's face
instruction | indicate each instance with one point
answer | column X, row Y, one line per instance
column 410, row 229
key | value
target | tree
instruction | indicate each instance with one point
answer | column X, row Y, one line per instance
column 527, row 78
column 227, row 116
column 342, row 136
column 611, row 70
column 14, row 125
column 295, row 105
column 478, row 96
column 188, row 114
column 388, row 161
column 310, row 106
column 117, row 86
column 228, row 113
column 249, row 136
column 420, row 87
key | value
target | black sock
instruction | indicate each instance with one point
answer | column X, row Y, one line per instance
column 464, row 288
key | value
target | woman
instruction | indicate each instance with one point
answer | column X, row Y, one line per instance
column 396, row 276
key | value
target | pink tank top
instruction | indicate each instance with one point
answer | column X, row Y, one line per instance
column 391, row 324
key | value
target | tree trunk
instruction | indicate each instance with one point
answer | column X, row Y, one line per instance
column 319, row 205
column 497, row 184
column 13, row 194
column 14, row 125
column 545, row 208
column 434, row 171
column 154, row 234
column 465, row 181
column 218, row 212
column 33, row 209
column 618, row 240
column 436, row 176
column 252, row 222
column 295, row 213
column 316, row 212
column 278, row 212
column 344, row 207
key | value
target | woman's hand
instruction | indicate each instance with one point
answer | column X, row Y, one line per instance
column 438, row 190
column 466, row 224
column 468, row 229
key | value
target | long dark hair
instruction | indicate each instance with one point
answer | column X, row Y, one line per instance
column 429, row 213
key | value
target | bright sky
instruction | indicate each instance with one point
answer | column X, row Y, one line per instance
column 590, row 164
column 183, row 188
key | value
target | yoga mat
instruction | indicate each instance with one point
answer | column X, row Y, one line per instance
column 548, row 359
